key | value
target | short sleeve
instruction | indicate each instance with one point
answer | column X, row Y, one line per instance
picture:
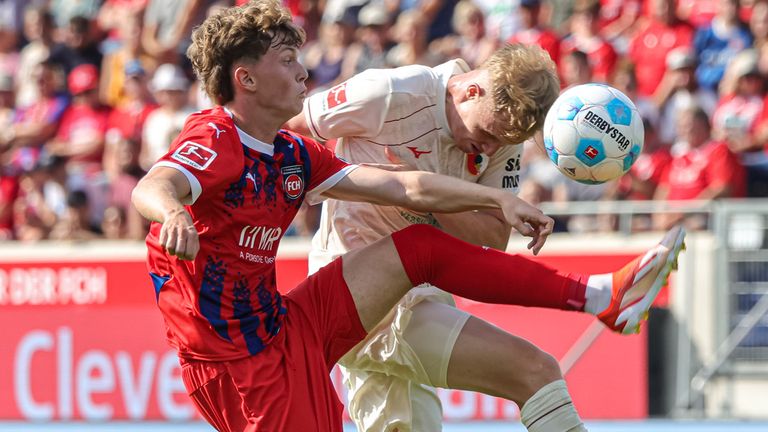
column 207, row 161
column 326, row 170
column 356, row 107
column 503, row 171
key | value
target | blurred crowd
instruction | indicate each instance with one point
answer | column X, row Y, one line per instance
column 93, row 91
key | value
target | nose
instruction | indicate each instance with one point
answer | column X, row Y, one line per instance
column 303, row 74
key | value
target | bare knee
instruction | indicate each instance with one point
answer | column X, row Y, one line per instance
column 541, row 370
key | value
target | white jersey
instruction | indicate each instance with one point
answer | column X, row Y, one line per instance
column 394, row 116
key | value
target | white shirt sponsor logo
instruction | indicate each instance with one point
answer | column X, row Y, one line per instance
column 259, row 237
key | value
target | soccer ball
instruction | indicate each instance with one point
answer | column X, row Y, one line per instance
column 593, row 133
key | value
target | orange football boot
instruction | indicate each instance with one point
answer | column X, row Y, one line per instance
column 637, row 284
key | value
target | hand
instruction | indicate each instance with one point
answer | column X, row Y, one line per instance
column 528, row 221
column 178, row 235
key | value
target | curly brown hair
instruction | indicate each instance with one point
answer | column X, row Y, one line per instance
column 524, row 85
column 236, row 33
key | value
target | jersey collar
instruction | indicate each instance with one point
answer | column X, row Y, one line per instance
column 251, row 142
column 444, row 72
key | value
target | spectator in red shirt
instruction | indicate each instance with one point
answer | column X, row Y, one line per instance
column 533, row 33
column 81, row 138
column 584, row 37
column 617, row 20
column 701, row 168
column 678, row 91
column 644, row 177
column 660, row 33
column 739, row 108
column 697, row 12
column 127, row 120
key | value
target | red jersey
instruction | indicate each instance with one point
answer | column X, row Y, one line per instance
column 81, row 124
column 224, row 305
column 648, row 49
column 546, row 39
column 129, row 119
column 649, row 166
column 601, row 55
column 712, row 164
column 737, row 114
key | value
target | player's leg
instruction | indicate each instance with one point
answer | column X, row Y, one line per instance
column 489, row 360
column 460, row 351
column 380, row 274
column 388, row 387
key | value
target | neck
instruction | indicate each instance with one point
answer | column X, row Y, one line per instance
column 452, row 93
column 254, row 120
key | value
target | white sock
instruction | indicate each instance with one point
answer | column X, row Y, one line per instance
column 551, row 410
column 598, row 293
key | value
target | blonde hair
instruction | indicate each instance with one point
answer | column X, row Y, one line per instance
column 244, row 32
column 524, row 85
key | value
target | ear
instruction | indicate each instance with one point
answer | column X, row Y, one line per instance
column 473, row 91
column 243, row 78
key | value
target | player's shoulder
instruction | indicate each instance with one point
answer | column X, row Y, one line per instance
column 418, row 79
column 213, row 126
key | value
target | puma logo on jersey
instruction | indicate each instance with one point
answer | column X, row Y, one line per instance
column 194, row 155
column 216, row 128
column 252, row 178
column 416, row 152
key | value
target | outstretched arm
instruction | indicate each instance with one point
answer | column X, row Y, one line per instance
column 480, row 227
column 428, row 192
column 158, row 197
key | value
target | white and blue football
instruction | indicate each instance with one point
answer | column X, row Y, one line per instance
column 593, row 133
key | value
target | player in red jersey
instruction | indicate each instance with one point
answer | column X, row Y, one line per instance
column 224, row 194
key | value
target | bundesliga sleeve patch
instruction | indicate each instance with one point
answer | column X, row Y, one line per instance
column 194, row 155
column 336, row 96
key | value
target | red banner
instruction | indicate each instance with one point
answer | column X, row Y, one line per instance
column 84, row 340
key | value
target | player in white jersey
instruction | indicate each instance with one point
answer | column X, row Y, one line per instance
column 436, row 119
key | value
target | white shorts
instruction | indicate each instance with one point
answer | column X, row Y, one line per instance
column 392, row 373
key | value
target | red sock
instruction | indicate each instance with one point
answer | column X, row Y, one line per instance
column 484, row 274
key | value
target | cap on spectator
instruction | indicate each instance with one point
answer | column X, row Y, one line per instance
column 530, row 3
column 373, row 14
column 83, row 78
column 169, row 77
column 134, row 68
column 681, row 58
column 745, row 63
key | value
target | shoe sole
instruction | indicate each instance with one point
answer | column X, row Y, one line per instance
column 634, row 315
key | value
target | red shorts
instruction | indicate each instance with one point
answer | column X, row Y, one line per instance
column 287, row 386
